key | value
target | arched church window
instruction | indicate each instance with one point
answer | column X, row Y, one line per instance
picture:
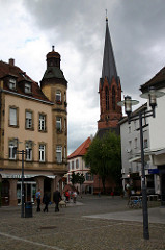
column 107, row 98
column 113, row 98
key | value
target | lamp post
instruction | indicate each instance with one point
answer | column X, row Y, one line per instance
column 152, row 95
column 22, row 152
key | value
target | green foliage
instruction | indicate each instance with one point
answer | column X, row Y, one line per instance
column 77, row 178
column 74, row 178
column 104, row 157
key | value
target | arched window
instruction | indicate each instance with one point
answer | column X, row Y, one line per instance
column 113, row 98
column 107, row 98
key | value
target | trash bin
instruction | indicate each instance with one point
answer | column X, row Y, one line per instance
column 28, row 209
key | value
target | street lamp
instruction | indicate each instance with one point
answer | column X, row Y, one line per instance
column 22, row 152
column 152, row 95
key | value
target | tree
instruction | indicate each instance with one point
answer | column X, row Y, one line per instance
column 74, row 178
column 81, row 180
column 103, row 156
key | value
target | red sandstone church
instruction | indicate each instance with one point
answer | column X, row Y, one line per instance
column 110, row 94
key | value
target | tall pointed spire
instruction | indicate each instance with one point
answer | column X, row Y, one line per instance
column 109, row 67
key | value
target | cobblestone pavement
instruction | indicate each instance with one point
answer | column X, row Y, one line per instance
column 80, row 227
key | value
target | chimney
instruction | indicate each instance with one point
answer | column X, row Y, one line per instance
column 11, row 62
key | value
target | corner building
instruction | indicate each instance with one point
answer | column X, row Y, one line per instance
column 32, row 119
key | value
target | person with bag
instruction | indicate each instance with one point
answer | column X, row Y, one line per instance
column 46, row 201
column 56, row 199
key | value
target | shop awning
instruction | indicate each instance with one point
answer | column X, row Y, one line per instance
column 19, row 176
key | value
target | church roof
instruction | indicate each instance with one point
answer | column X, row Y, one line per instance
column 81, row 150
column 109, row 67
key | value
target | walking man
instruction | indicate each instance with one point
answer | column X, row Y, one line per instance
column 56, row 199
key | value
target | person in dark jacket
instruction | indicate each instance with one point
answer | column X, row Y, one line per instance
column 46, row 201
column 56, row 199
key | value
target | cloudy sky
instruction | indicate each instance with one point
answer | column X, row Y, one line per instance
column 76, row 28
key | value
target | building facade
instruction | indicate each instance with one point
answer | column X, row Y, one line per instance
column 153, row 142
column 32, row 119
column 77, row 164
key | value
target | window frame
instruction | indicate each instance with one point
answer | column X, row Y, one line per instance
column 42, row 122
column 59, row 124
column 12, row 82
column 58, row 97
column 10, row 149
column 27, row 84
column 28, row 147
column 59, row 150
column 42, row 152
column 16, row 117
column 28, row 120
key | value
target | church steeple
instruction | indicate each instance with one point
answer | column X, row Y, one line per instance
column 109, row 68
column 109, row 89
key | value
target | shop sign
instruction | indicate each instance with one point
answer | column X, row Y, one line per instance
column 153, row 171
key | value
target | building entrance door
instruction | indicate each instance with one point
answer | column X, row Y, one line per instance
column 5, row 193
column 29, row 189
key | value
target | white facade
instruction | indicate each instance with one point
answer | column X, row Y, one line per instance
column 77, row 165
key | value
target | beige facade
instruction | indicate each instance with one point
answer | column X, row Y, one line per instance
column 33, row 121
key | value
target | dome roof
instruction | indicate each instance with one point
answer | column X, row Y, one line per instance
column 53, row 54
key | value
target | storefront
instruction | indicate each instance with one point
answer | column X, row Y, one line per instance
column 12, row 187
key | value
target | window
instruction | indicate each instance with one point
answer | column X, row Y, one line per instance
column 28, row 151
column 42, row 122
column 64, row 152
column 135, row 125
column 12, row 149
column 27, row 88
column 145, row 144
column 68, row 166
column 129, row 129
column 65, row 125
column 28, row 119
column 13, row 116
column 42, row 152
column 88, row 177
column 107, row 98
column 59, row 153
column 113, row 98
column 72, row 165
column 58, row 124
column 77, row 164
column 135, row 143
column 12, row 84
column 58, row 96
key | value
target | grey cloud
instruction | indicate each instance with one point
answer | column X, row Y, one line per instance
column 136, row 27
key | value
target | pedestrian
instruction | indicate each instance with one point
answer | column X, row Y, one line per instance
column 74, row 196
column 38, row 200
column 56, row 199
column 46, row 201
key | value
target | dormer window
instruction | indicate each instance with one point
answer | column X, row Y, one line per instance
column 27, row 88
column 12, row 84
